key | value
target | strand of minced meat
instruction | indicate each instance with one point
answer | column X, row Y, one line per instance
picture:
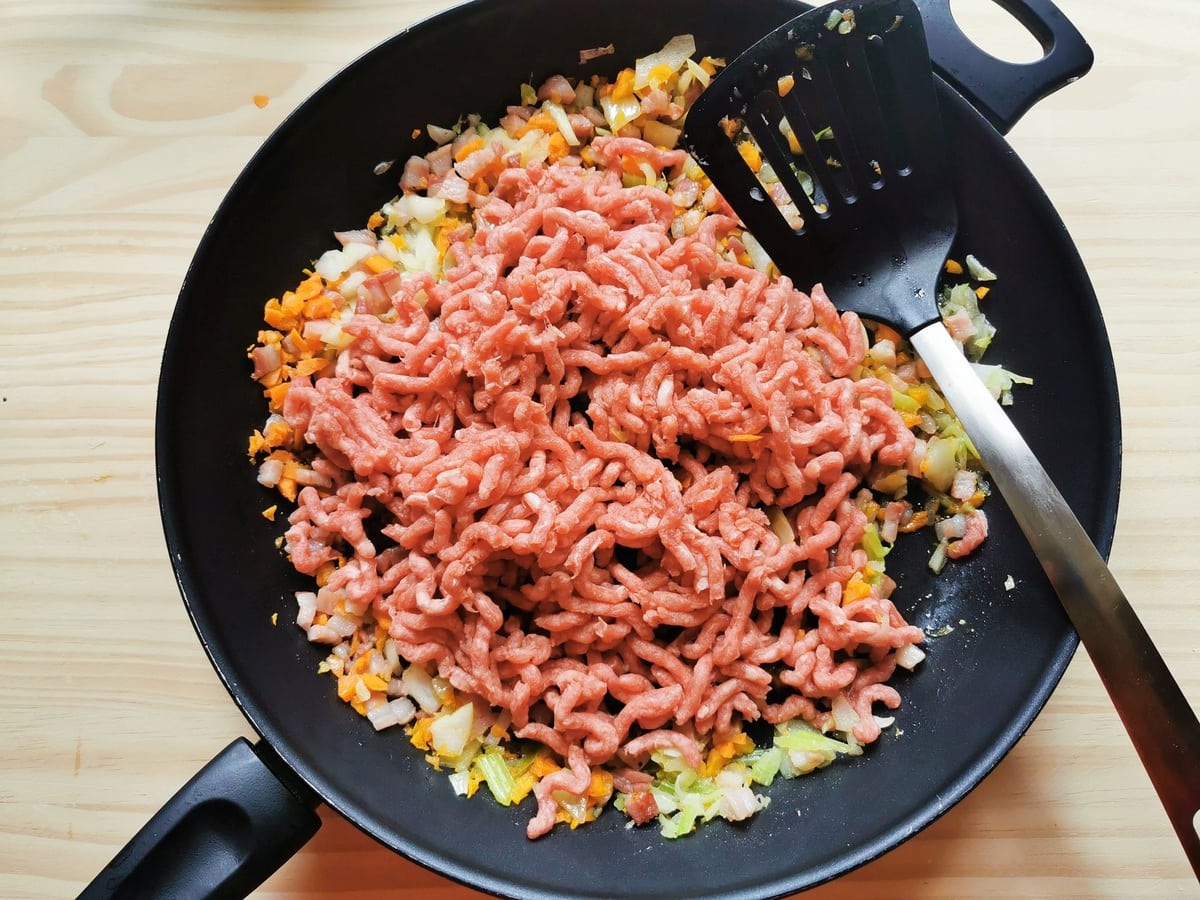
column 571, row 445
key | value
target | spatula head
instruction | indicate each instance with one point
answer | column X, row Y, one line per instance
column 825, row 137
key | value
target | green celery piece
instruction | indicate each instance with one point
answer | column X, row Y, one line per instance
column 496, row 773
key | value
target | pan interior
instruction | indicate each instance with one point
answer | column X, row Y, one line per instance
column 984, row 680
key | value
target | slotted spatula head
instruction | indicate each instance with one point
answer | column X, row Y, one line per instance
column 825, row 137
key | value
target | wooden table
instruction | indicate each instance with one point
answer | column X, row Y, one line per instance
column 123, row 122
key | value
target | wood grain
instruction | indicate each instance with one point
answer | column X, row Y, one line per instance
column 123, row 122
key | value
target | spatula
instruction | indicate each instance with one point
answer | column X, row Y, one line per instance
column 840, row 106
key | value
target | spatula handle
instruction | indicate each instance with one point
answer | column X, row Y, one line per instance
column 1156, row 714
column 1000, row 90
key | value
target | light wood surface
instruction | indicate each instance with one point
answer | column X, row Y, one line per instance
column 123, row 122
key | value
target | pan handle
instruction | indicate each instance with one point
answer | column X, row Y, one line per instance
column 1004, row 91
column 238, row 820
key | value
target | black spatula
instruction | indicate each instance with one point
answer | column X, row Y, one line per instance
column 825, row 138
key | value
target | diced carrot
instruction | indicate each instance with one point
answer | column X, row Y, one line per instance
column 785, row 85
column 744, row 438
column 378, row 263
column 311, row 366
column 982, row 291
column 751, row 155
column 887, row 333
column 538, row 122
column 543, row 765
column 374, row 682
column 291, row 303
column 275, row 396
column 288, row 488
column 416, row 133
column 442, row 240
column 954, row 267
column 856, row 589
column 278, row 433
column 741, row 744
column 558, row 147
column 322, row 574
column 421, row 737
column 525, row 783
column 474, row 780
column 346, row 687
column 623, row 87
column 319, row 307
column 362, row 664
column 275, row 316
column 468, row 148
column 601, row 786
column 310, row 287
column 261, row 100
column 269, row 512
column 712, row 765
column 375, row 220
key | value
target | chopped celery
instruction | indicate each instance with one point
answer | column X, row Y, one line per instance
column 764, row 764
column 937, row 560
column 499, row 777
column 873, row 544
column 803, row 737
column 904, row 402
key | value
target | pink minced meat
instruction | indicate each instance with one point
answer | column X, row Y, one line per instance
column 568, row 447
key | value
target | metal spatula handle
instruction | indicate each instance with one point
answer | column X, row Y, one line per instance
column 1156, row 714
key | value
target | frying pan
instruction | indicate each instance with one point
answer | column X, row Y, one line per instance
column 999, row 652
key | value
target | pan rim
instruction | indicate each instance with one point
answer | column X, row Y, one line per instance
column 261, row 719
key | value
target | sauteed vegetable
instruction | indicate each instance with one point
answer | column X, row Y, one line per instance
column 597, row 504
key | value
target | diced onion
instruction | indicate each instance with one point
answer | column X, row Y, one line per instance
column 844, row 716
column 978, row 270
column 307, row 603
column 449, row 733
column 674, row 55
column 419, row 685
column 909, row 656
column 559, row 115
column 270, row 472
column 660, row 134
column 440, row 135
column 343, row 625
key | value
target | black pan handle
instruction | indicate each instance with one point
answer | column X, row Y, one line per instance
column 1004, row 91
column 238, row 820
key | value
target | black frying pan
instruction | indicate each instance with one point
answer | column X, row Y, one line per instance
column 963, row 710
